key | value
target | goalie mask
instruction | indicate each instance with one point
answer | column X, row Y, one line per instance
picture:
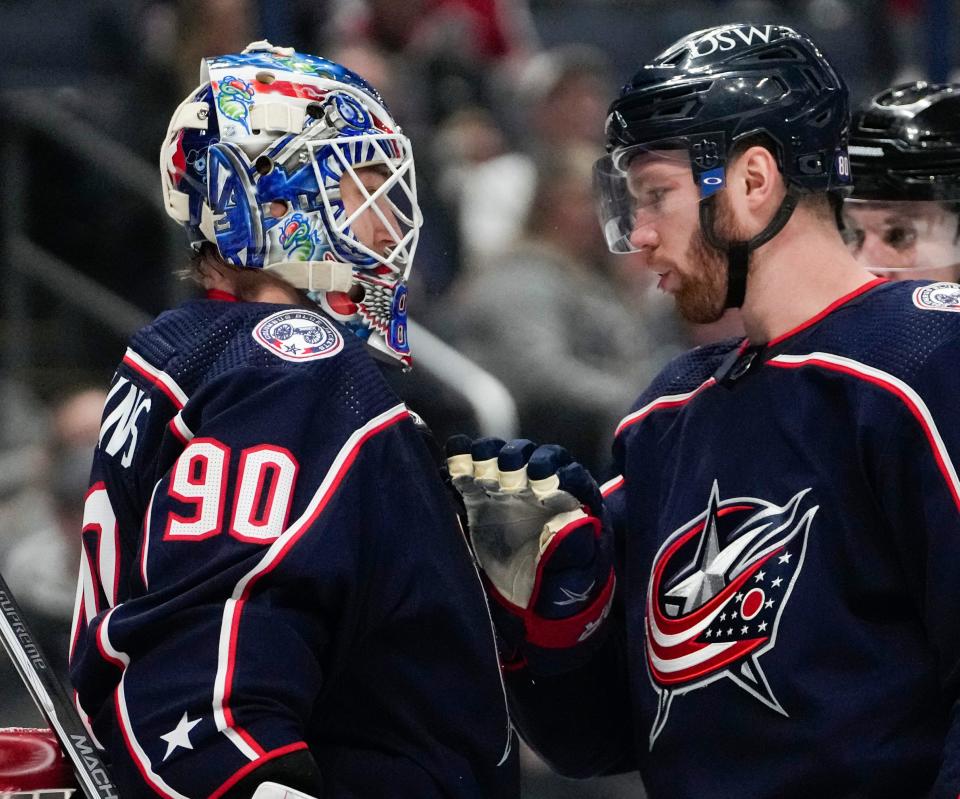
column 281, row 160
column 902, row 219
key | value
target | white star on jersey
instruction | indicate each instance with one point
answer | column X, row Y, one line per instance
column 179, row 735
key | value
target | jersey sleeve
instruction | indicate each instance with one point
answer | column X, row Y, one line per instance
column 917, row 486
column 249, row 570
column 580, row 721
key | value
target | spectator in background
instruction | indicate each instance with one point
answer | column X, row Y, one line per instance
column 438, row 249
column 22, row 430
column 487, row 186
column 210, row 26
column 450, row 48
column 548, row 319
column 559, row 103
column 562, row 96
column 488, row 30
column 442, row 59
column 40, row 565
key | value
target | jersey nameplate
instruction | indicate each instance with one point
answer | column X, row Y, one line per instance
column 120, row 426
column 298, row 335
column 938, row 297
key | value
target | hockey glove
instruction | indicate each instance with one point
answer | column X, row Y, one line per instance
column 534, row 519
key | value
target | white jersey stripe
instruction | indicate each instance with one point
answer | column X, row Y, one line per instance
column 161, row 378
column 85, row 720
column 708, row 652
column 90, row 607
column 273, row 555
column 668, row 401
column 220, row 682
column 894, row 385
column 145, row 546
column 180, row 429
column 78, row 610
column 611, row 485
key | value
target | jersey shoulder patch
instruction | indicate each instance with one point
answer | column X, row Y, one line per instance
column 937, row 297
column 296, row 334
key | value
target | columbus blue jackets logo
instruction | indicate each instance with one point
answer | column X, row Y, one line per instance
column 718, row 587
column 938, row 297
column 298, row 335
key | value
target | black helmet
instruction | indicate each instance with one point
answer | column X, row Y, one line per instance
column 905, row 144
column 716, row 87
column 903, row 217
column 739, row 80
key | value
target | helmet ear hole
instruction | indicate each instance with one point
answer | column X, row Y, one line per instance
column 315, row 110
column 264, row 164
column 266, row 77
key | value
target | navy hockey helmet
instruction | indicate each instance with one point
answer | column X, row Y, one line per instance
column 905, row 144
column 712, row 90
column 905, row 157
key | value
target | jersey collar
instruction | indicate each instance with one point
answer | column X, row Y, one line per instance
column 223, row 296
column 740, row 360
column 827, row 311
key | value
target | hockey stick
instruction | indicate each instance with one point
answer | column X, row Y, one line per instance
column 52, row 700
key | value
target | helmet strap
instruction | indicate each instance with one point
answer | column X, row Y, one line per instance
column 314, row 276
column 738, row 252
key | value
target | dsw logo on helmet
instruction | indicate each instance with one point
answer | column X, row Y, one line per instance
column 707, row 42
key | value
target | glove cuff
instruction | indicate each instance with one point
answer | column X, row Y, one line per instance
column 572, row 630
column 550, row 646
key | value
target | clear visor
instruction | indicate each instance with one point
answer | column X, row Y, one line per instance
column 903, row 239
column 647, row 184
column 381, row 218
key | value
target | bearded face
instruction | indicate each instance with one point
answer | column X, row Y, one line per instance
column 702, row 281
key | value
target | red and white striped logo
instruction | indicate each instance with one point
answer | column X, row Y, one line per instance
column 718, row 587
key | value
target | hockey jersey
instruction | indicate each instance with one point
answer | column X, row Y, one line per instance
column 270, row 563
column 788, row 619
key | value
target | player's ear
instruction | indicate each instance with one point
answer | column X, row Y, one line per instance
column 755, row 187
column 759, row 177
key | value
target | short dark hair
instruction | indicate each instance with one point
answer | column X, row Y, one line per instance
column 202, row 261
column 246, row 282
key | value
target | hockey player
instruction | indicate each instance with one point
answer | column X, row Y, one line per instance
column 902, row 219
column 786, row 517
column 274, row 586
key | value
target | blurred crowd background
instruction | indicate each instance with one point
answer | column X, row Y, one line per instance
column 504, row 101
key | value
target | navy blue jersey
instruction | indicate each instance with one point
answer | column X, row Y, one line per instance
column 271, row 563
column 788, row 620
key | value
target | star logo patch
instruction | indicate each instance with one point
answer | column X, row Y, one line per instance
column 298, row 335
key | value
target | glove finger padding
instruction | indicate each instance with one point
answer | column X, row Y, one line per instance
column 534, row 525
